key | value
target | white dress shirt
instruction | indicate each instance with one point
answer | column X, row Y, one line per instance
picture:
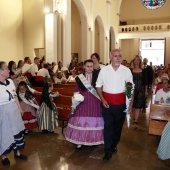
column 33, row 69
column 113, row 82
column 43, row 72
column 4, row 95
column 26, row 68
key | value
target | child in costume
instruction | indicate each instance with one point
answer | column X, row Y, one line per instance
column 29, row 105
column 48, row 114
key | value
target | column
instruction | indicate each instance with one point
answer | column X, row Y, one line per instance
column 106, row 59
column 66, row 32
column 51, row 37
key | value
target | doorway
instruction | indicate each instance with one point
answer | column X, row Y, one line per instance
column 153, row 50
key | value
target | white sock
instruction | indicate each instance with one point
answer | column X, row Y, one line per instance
column 79, row 146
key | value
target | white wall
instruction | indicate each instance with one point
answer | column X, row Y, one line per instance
column 134, row 12
column 33, row 24
column 75, row 31
column 11, row 30
column 130, row 48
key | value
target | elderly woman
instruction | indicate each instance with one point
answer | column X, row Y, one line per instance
column 11, row 124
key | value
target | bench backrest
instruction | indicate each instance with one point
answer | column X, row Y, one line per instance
column 69, row 86
column 62, row 91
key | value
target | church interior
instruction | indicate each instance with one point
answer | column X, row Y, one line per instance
column 61, row 29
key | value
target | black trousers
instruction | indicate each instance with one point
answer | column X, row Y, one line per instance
column 114, row 117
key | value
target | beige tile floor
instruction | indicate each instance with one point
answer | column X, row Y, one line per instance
column 136, row 151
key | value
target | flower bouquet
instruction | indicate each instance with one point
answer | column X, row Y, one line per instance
column 76, row 100
column 129, row 88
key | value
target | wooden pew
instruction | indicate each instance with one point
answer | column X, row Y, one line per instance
column 69, row 86
column 63, row 104
column 69, row 82
column 158, row 118
column 63, row 91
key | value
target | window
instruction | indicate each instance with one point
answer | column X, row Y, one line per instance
column 153, row 50
column 153, row 4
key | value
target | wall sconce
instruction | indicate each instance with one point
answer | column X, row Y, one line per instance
column 106, row 38
column 90, row 29
column 57, row 7
column 47, row 11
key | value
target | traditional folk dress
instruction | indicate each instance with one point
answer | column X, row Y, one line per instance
column 164, row 145
column 48, row 113
column 11, row 124
column 86, row 126
column 29, row 108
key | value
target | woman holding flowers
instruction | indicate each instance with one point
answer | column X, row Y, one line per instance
column 140, row 81
column 85, row 127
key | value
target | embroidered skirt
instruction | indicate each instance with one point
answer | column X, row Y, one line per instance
column 11, row 127
column 29, row 117
column 47, row 118
column 87, row 124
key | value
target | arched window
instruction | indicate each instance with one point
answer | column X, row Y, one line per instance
column 153, row 4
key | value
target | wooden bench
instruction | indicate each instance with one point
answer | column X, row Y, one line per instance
column 63, row 104
column 69, row 86
column 158, row 118
column 62, row 91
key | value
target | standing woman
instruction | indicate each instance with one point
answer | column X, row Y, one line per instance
column 13, row 72
column 140, row 81
column 96, row 66
column 86, row 126
column 11, row 124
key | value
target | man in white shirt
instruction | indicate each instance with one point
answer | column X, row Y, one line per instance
column 110, row 86
column 163, row 95
column 42, row 76
column 34, row 66
column 34, row 70
column 26, row 66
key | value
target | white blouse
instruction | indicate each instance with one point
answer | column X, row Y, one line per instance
column 7, row 92
column 113, row 82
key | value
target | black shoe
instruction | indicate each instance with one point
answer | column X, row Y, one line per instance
column 5, row 162
column 114, row 150
column 21, row 157
column 107, row 157
column 45, row 131
column 50, row 131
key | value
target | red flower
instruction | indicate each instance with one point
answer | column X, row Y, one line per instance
column 129, row 83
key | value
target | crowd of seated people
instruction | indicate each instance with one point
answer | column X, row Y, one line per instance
column 40, row 71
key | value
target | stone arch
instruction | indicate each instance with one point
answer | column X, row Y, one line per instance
column 84, row 28
column 101, row 37
column 112, row 40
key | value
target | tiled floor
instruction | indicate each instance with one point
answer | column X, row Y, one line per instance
column 136, row 151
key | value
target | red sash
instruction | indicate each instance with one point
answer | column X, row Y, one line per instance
column 115, row 99
column 39, row 78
